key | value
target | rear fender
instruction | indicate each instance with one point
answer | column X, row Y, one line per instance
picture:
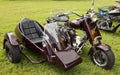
column 11, row 38
column 103, row 47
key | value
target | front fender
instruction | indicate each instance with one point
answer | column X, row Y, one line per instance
column 11, row 38
column 102, row 46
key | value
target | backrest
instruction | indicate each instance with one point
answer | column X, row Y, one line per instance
column 30, row 28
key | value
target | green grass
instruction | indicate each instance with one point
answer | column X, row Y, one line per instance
column 12, row 11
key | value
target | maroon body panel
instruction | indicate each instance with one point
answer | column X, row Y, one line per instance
column 11, row 38
column 67, row 58
column 25, row 41
column 64, row 58
column 101, row 46
column 86, row 25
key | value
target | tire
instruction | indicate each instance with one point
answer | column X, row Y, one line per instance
column 110, row 23
column 104, row 24
column 104, row 59
column 12, row 52
column 101, row 24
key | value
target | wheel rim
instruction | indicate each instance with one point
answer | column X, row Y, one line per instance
column 103, row 24
column 9, row 56
column 100, row 58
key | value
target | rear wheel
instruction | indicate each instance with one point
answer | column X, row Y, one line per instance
column 104, row 59
column 12, row 52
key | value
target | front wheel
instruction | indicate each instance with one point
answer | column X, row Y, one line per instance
column 104, row 59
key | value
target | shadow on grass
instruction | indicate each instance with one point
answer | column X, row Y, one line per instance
column 54, row 68
column 117, row 33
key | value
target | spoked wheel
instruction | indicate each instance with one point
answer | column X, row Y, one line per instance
column 104, row 59
column 12, row 52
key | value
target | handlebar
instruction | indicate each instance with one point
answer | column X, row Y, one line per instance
column 72, row 12
column 63, row 17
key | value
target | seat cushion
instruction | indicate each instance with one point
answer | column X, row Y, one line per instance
column 37, row 40
column 31, row 30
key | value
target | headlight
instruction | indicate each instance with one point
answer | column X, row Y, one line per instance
column 94, row 17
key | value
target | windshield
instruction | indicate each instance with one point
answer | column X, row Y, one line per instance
column 52, row 28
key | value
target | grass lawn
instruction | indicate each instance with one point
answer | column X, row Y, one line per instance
column 12, row 11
